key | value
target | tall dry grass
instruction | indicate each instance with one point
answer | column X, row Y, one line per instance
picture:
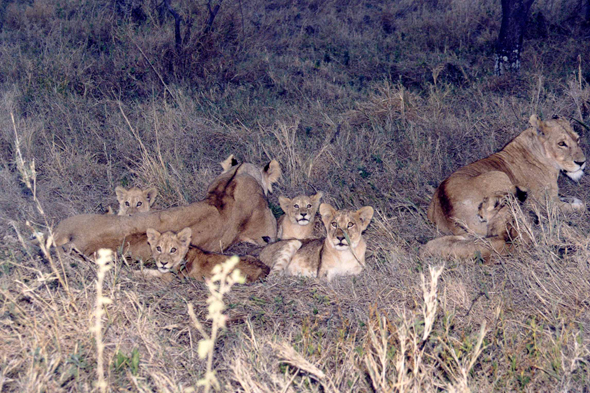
column 373, row 103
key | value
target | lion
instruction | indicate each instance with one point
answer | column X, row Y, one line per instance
column 340, row 253
column 530, row 163
column 135, row 200
column 234, row 210
column 299, row 220
column 174, row 254
column 230, row 164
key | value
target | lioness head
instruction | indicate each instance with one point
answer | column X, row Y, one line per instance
column 135, row 200
column 302, row 209
column 265, row 176
column 561, row 144
column 340, row 223
column 168, row 248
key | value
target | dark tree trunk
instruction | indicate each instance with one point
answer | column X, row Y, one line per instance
column 514, row 17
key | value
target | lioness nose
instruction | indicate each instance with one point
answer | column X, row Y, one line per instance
column 580, row 163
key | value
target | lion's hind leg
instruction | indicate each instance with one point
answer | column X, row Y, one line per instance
column 465, row 247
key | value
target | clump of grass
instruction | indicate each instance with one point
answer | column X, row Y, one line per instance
column 224, row 277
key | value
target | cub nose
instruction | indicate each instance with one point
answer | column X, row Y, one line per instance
column 580, row 163
column 303, row 215
column 164, row 263
column 340, row 238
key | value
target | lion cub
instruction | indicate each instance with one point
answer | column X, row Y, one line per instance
column 135, row 200
column 299, row 219
column 170, row 250
column 328, row 257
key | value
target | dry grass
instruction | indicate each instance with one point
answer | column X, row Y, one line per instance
column 372, row 103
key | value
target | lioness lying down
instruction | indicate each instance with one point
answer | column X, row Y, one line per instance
column 234, row 210
column 328, row 257
column 173, row 253
column 530, row 163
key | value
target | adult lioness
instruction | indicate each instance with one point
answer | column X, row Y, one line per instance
column 135, row 200
column 171, row 251
column 299, row 220
column 342, row 252
column 235, row 209
column 531, row 162
column 260, row 174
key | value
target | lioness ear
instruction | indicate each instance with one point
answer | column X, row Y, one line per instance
column 121, row 193
column 152, row 235
column 184, row 236
column 365, row 215
column 537, row 124
column 228, row 163
column 327, row 212
column 272, row 172
column 284, row 202
column 316, row 198
column 151, row 194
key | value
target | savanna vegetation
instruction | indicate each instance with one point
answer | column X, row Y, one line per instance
column 372, row 102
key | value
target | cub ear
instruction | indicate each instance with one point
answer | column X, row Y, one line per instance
column 184, row 236
column 537, row 124
column 316, row 198
column 151, row 194
column 228, row 163
column 152, row 236
column 365, row 214
column 284, row 202
column 272, row 173
column 121, row 193
column 327, row 212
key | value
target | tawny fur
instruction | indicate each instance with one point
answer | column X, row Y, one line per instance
column 235, row 210
column 299, row 220
column 135, row 200
column 328, row 257
column 173, row 254
column 531, row 162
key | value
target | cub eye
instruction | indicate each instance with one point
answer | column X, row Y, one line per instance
column 350, row 225
column 172, row 250
column 334, row 225
column 139, row 204
column 562, row 144
column 159, row 249
column 296, row 206
column 309, row 205
column 127, row 203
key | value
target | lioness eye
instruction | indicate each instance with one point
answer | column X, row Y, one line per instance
column 159, row 249
column 172, row 250
column 127, row 203
column 350, row 224
column 562, row 144
column 309, row 206
column 334, row 224
column 296, row 206
column 139, row 204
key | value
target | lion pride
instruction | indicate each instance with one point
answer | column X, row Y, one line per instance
column 234, row 210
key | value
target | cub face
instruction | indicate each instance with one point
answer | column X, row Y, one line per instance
column 339, row 222
column 561, row 145
column 135, row 200
column 302, row 209
column 169, row 248
column 491, row 206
